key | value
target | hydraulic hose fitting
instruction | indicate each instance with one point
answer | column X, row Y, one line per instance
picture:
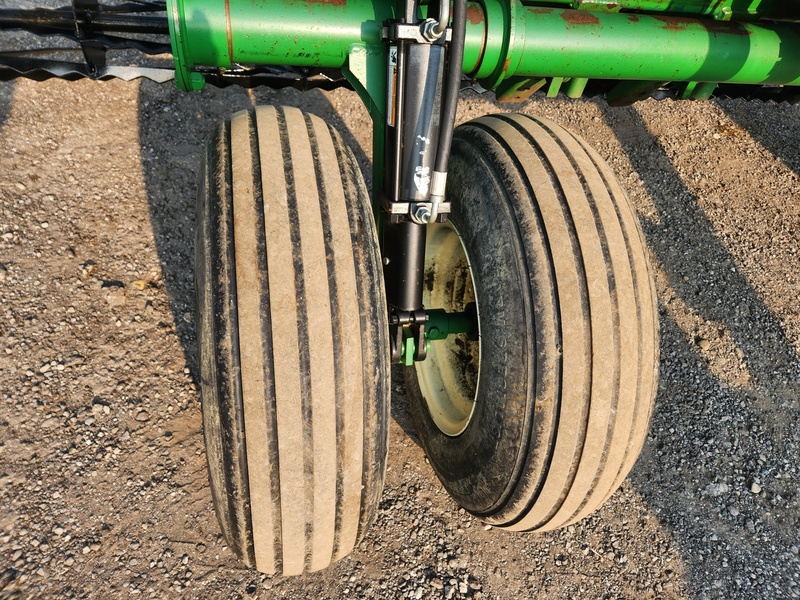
column 438, row 185
column 432, row 29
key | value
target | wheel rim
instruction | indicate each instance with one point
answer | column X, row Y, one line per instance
column 449, row 376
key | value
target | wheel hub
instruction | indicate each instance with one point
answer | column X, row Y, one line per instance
column 448, row 378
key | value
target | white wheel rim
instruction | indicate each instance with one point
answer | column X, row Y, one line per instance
column 448, row 378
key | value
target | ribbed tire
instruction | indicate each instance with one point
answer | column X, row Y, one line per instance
column 568, row 353
column 293, row 344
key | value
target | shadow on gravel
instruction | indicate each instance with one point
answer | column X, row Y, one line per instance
column 709, row 436
column 400, row 410
column 173, row 129
column 781, row 121
column 701, row 272
column 6, row 95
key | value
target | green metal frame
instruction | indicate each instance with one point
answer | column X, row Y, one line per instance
column 507, row 38
column 514, row 46
column 718, row 9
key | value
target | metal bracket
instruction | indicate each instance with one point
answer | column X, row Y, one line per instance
column 413, row 211
column 408, row 326
column 94, row 53
column 413, row 33
column 412, row 332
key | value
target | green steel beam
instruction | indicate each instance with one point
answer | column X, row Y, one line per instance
column 744, row 10
column 302, row 33
column 550, row 42
column 504, row 38
column 282, row 32
column 441, row 323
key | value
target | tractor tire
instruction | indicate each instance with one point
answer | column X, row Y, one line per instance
column 535, row 424
column 293, row 341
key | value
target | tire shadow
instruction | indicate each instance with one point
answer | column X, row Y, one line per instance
column 700, row 270
column 713, row 321
column 401, row 412
column 756, row 118
column 6, row 96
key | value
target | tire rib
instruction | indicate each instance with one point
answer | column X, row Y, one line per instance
column 306, row 398
column 548, row 387
column 227, row 339
column 342, row 193
column 646, row 316
column 336, row 333
column 268, row 345
column 623, row 400
column 316, row 343
column 205, row 242
column 217, row 264
column 287, row 378
column 575, row 414
column 256, row 343
column 374, row 345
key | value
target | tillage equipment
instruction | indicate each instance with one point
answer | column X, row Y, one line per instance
column 499, row 261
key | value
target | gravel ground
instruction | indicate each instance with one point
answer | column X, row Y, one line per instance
column 103, row 489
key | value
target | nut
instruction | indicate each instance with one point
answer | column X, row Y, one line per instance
column 422, row 214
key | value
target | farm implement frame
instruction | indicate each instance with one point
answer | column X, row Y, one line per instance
column 499, row 261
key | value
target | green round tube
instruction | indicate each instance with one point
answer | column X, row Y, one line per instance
column 570, row 43
column 504, row 38
column 766, row 10
column 285, row 32
column 279, row 32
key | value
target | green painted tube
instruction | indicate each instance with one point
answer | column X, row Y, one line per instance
column 775, row 10
column 569, row 43
column 301, row 33
column 441, row 324
column 279, row 32
column 504, row 38
column 550, row 42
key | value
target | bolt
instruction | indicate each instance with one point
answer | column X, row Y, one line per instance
column 430, row 31
column 422, row 214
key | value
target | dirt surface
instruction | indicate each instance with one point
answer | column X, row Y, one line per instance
column 103, row 488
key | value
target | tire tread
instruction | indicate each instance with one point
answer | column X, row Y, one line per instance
column 316, row 388
column 593, row 327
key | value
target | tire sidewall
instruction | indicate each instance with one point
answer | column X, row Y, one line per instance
column 479, row 465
